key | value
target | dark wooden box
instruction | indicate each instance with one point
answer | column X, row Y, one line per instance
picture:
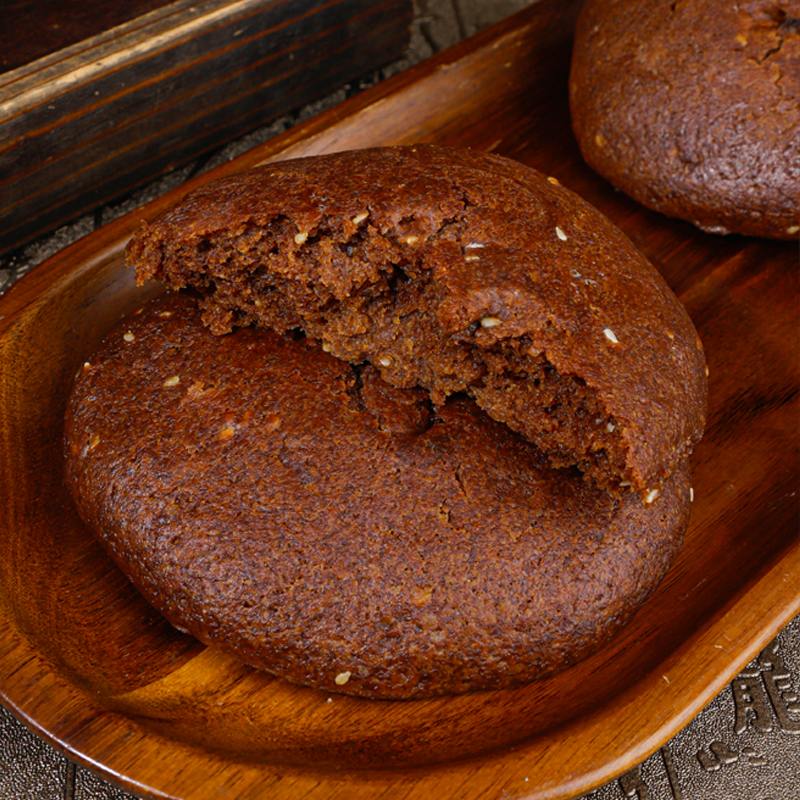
column 83, row 124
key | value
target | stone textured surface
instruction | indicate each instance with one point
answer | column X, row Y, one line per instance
column 745, row 745
column 28, row 767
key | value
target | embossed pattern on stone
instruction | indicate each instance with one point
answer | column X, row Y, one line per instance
column 745, row 745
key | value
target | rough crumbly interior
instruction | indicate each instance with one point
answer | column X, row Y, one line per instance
column 368, row 296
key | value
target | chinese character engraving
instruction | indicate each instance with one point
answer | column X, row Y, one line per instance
column 672, row 775
column 634, row 786
column 721, row 755
column 778, row 681
column 753, row 758
column 751, row 703
column 764, row 694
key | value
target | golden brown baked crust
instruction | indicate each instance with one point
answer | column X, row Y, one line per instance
column 318, row 523
column 693, row 108
column 459, row 272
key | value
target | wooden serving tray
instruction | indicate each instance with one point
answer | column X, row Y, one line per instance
column 88, row 665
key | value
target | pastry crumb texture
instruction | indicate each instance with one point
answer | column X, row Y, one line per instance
column 444, row 269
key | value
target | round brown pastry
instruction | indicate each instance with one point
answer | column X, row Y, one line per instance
column 459, row 272
column 316, row 522
column 693, row 108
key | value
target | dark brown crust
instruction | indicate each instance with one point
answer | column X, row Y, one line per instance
column 566, row 286
column 301, row 513
column 693, row 108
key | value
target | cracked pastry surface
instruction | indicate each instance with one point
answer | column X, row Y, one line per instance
column 317, row 522
column 459, row 272
column 419, row 424
column 692, row 107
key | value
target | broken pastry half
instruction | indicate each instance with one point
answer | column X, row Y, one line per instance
column 418, row 424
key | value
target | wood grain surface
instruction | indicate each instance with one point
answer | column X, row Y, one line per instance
column 33, row 29
column 87, row 123
column 87, row 664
